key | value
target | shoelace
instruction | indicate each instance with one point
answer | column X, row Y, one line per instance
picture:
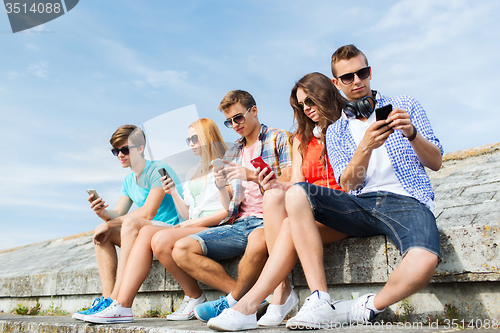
column 221, row 305
column 183, row 305
column 357, row 313
column 104, row 305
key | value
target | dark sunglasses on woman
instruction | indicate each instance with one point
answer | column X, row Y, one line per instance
column 193, row 139
column 307, row 102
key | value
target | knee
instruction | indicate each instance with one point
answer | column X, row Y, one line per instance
column 131, row 224
column 423, row 262
column 182, row 249
column 162, row 244
column 256, row 249
column 272, row 198
column 295, row 198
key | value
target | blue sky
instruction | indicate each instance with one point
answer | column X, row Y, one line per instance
column 67, row 85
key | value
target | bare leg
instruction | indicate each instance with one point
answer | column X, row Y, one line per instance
column 188, row 255
column 413, row 273
column 306, row 238
column 138, row 265
column 107, row 261
column 251, row 264
column 278, row 266
column 274, row 214
column 163, row 243
column 129, row 231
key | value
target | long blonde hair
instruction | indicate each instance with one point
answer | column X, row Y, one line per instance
column 211, row 141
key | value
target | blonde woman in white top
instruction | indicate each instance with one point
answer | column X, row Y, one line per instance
column 200, row 207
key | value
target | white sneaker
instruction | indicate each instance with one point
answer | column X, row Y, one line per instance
column 186, row 309
column 314, row 314
column 115, row 313
column 232, row 320
column 276, row 313
column 359, row 313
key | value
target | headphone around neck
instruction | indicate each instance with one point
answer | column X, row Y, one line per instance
column 360, row 108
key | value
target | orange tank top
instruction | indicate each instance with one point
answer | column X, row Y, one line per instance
column 314, row 170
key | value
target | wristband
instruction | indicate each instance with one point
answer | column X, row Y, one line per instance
column 219, row 188
column 413, row 135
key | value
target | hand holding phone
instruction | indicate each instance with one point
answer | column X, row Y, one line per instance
column 383, row 112
column 217, row 163
column 164, row 173
column 95, row 197
column 258, row 162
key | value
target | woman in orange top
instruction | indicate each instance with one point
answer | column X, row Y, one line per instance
column 316, row 104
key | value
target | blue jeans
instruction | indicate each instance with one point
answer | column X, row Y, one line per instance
column 407, row 222
column 227, row 241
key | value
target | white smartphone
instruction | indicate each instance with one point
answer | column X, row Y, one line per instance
column 94, row 192
column 217, row 163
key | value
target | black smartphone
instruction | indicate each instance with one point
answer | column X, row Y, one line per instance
column 164, row 172
column 383, row 112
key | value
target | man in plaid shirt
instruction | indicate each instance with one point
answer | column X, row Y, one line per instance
column 380, row 163
column 242, row 231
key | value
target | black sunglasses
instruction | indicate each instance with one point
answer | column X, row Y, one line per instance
column 348, row 78
column 239, row 119
column 309, row 102
column 193, row 139
column 124, row 150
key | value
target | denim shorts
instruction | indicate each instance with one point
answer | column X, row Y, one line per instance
column 227, row 241
column 407, row 222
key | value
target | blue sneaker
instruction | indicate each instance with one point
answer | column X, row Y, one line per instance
column 98, row 305
column 208, row 310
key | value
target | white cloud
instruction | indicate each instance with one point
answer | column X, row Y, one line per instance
column 39, row 69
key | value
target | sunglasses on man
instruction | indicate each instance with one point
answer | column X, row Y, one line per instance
column 124, row 150
column 348, row 78
column 238, row 119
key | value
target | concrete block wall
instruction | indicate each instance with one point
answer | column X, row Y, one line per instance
column 63, row 272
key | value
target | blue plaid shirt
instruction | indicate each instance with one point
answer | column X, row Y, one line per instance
column 410, row 172
column 274, row 147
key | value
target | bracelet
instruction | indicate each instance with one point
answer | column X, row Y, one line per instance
column 219, row 188
column 413, row 135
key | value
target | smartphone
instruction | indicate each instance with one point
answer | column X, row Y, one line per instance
column 383, row 112
column 96, row 196
column 258, row 162
column 164, row 172
column 217, row 163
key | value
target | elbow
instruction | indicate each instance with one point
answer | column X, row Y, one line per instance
column 150, row 216
column 437, row 165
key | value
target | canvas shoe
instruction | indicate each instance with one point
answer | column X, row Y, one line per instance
column 80, row 314
column 208, row 310
column 103, row 303
column 186, row 309
column 315, row 313
column 232, row 320
column 212, row 309
column 276, row 313
column 358, row 312
column 115, row 313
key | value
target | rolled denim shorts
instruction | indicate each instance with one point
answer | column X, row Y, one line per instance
column 407, row 222
column 227, row 241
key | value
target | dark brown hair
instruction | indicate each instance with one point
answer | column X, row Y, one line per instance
column 128, row 132
column 330, row 102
